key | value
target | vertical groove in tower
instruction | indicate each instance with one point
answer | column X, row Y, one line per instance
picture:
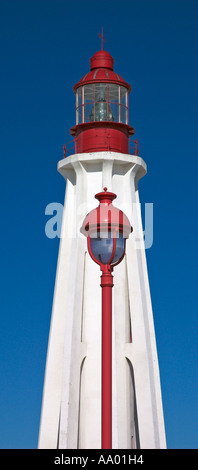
column 71, row 407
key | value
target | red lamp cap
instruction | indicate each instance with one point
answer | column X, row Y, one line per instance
column 105, row 196
column 106, row 217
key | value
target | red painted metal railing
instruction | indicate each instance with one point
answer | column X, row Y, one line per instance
column 71, row 147
column 134, row 149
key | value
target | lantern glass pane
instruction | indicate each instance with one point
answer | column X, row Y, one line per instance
column 123, row 93
column 88, row 102
column 79, row 106
column 79, row 94
column 123, row 99
column 101, row 102
column 79, row 115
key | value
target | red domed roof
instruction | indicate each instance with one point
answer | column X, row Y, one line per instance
column 102, row 59
column 101, row 71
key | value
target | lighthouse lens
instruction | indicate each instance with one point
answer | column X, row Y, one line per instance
column 102, row 248
column 101, row 111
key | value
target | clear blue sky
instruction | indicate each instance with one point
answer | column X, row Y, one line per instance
column 45, row 48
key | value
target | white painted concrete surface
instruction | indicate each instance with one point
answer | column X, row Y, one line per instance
column 71, row 408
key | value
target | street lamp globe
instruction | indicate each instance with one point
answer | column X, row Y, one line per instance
column 106, row 229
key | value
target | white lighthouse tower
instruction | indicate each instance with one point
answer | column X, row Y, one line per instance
column 71, row 408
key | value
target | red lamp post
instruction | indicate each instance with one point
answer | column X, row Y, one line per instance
column 106, row 229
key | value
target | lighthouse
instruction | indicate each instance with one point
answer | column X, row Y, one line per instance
column 101, row 162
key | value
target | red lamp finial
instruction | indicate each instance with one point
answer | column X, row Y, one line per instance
column 102, row 39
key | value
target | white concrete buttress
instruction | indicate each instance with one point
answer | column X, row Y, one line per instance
column 71, row 408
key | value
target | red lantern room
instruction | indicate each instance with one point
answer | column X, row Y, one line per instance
column 102, row 111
